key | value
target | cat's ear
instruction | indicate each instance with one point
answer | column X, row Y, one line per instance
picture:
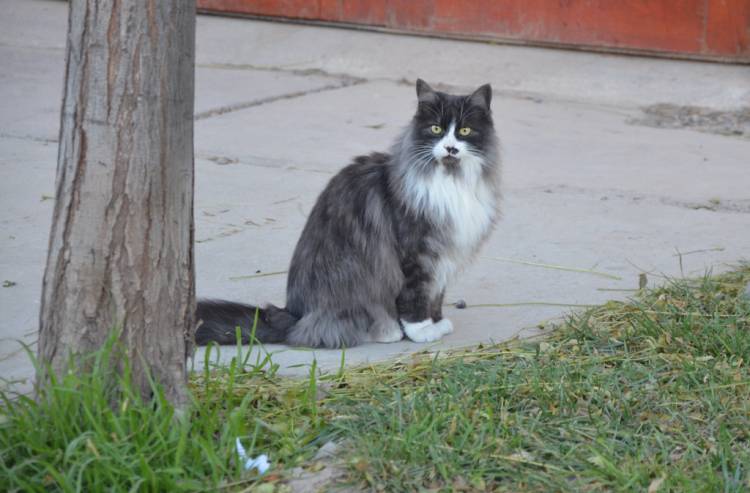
column 482, row 97
column 424, row 91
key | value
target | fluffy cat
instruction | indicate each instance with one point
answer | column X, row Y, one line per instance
column 385, row 237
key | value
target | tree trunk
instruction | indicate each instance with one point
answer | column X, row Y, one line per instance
column 121, row 244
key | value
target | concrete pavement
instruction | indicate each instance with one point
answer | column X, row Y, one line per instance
column 589, row 183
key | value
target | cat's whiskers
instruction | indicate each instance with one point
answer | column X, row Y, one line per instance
column 484, row 159
column 420, row 158
column 421, row 151
column 424, row 164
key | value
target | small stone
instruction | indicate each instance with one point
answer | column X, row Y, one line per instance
column 460, row 304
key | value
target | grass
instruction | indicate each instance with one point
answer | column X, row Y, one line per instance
column 620, row 397
column 92, row 432
column 648, row 395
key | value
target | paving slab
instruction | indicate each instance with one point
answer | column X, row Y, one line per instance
column 517, row 70
column 585, row 188
column 320, row 132
column 31, row 92
column 615, row 237
column 602, row 148
column 34, row 23
column 221, row 89
column 280, row 108
column 27, row 174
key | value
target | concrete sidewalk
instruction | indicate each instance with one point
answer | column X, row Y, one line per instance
column 591, row 182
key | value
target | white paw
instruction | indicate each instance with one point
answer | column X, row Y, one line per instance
column 445, row 326
column 424, row 331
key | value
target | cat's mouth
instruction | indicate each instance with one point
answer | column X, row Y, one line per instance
column 450, row 161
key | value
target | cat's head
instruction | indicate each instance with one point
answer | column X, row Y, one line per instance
column 450, row 130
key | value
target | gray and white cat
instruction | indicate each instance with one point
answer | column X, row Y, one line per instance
column 385, row 237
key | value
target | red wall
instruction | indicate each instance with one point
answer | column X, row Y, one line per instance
column 716, row 29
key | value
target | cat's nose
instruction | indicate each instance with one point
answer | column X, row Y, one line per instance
column 451, row 150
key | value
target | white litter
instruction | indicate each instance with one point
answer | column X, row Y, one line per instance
column 260, row 463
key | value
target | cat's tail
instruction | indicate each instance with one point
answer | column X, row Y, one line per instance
column 219, row 319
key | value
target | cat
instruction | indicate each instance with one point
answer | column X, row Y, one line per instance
column 385, row 237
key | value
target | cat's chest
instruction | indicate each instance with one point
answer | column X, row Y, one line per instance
column 465, row 209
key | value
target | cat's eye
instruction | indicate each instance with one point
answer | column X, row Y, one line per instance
column 436, row 129
column 464, row 131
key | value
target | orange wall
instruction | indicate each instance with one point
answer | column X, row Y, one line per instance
column 704, row 28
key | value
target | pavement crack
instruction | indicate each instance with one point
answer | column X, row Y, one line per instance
column 305, row 72
column 350, row 79
column 741, row 206
column 32, row 138
column 272, row 99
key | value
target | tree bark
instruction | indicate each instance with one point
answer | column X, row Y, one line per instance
column 121, row 243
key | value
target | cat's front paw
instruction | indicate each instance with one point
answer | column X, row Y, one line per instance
column 426, row 331
column 445, row 326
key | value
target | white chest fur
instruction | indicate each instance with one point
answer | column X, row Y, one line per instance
column 465, row 206
column 462, row 202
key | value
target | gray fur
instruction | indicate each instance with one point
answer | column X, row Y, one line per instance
column 375, row 253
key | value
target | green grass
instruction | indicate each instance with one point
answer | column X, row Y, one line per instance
column 653, row 393
column 92, row 431
column 618, row 398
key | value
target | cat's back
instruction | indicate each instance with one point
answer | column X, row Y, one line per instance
column 364, row 173
column 355, row 204
column 358, row 191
